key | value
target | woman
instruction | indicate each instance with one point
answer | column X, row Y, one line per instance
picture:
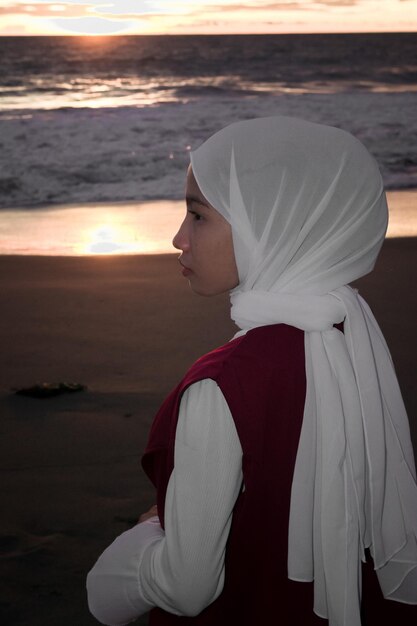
column 283, row 459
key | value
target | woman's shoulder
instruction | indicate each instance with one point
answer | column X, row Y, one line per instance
column 214, row 359
column 257, row 343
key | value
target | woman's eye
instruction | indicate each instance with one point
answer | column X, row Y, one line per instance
column 196, row 216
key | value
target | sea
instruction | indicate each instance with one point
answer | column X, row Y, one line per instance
column 90, row 120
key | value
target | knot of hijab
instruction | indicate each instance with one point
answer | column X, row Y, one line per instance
column 308, row 215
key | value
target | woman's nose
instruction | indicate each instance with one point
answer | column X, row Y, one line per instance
column 180, row 240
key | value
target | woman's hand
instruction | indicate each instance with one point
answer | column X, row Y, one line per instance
column 151, row 513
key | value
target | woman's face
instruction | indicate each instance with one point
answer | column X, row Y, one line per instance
column 205, row 239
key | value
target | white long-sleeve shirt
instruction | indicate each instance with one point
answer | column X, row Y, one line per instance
column 180, row 570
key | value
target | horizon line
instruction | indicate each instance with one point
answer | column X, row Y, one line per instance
column 371, row 32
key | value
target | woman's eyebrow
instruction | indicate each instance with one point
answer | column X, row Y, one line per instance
column 191, row 198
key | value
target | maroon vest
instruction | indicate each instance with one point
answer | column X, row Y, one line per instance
column 262, row 377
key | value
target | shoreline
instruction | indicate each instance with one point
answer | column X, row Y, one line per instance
column 128, row 228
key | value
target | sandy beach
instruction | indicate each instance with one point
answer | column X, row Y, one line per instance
column 127, row 327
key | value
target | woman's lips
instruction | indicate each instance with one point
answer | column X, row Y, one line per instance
column 185, row 270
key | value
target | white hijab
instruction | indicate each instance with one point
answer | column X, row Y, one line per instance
column 308, row 214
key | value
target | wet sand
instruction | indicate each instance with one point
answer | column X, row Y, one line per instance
column 133, row 227
column 127, row 327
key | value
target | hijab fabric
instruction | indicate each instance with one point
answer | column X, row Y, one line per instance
column 308, row 214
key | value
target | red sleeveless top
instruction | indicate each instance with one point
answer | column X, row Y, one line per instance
column 262, row 377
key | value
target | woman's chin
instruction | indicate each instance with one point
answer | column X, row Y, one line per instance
column 200, row 288
column 201, row 291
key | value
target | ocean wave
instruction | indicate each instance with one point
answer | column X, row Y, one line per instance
column 142, row 153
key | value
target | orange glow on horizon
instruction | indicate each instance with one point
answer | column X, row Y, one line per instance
column 198, row 17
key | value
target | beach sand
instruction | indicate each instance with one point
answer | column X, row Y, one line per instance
column 127, row 327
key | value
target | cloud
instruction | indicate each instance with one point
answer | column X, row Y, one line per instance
column 44, row 9
column 159, row 7
column 92, row 25
column 123, row 9
column 133, row 9
column 291, row 5
column 12, row 28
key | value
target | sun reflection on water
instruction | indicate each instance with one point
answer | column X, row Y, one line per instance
column 143, row 228
column 104, row 241
column 93, row 229
column 107, row 240
column 131, row 227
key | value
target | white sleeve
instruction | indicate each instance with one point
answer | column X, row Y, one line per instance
column 181, row 570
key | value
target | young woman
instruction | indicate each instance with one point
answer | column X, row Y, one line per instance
column 282, row 461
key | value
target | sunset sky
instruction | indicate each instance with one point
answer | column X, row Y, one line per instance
column 95, row 17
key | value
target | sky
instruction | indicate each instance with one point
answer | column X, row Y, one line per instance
column 148, row 17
